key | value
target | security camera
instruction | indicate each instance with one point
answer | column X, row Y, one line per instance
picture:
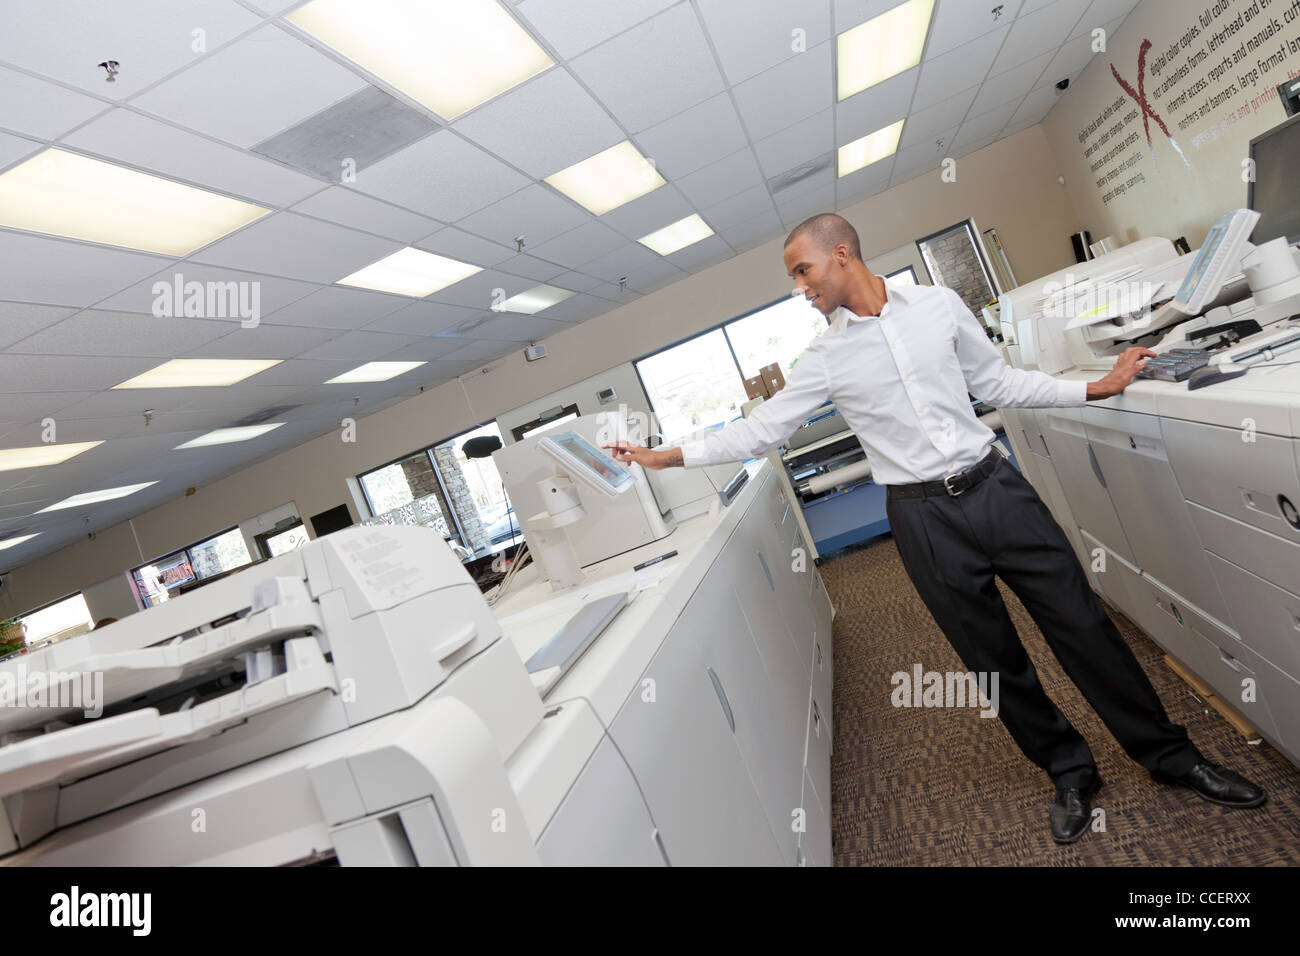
column 1062, row 85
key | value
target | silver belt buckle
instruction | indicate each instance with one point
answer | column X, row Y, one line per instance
column 948, row 488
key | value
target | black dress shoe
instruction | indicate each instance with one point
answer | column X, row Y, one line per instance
column 1071, row 811
column 1218, row 785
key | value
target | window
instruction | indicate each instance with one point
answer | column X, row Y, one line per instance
column 408, row 492
column 693, row 385
column 905, row 275
column 779, row 333
column 477, row 493
column 64, row 618
column 282, row 542
column 162, row 578
column 954, row 259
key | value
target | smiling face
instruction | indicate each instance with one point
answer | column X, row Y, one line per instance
column 820, row 275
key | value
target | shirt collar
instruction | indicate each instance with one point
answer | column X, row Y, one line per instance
column 895, row 292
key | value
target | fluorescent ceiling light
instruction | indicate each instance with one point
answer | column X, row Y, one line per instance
column 94, row 497
column 882, row 47
column 374, row 372
column 679, row 235
column 412, row 272
column 870, row 149
column 224, row 436
column 65, row 194
column 193, row 373
column 609, row 179
column 10, row 542
column 42, row 455
column 449, row 55
column 535, row 299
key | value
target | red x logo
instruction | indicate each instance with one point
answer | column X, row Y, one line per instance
column 1140, row 97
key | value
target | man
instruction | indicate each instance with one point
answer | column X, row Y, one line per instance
column 899, row 361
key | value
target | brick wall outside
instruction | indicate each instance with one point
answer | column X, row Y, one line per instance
column 954, row 263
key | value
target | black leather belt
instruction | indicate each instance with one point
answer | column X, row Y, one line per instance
column 953, row 485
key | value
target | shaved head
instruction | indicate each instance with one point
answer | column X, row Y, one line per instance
column 828, row 230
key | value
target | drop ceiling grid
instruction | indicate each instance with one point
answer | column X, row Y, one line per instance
column 590, row 253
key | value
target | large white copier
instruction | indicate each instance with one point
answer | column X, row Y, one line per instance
column 359, row 699
column 1181, row 503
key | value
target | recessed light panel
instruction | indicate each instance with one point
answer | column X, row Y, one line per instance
column 882, row 47
column 196, row 373
column 65, row 194
column 411, row 272
column 226, row 436
column 870, row 149
column 682, row 233
column 449, row 55
column 42, row 455
column 94, row 497
column 609, row 179
column 374, row 372
column 536, row 299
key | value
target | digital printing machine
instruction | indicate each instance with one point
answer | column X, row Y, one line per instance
column 358, row 699
column 1180, row 496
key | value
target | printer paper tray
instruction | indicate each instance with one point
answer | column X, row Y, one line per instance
column 100, row 744
column 127, row 674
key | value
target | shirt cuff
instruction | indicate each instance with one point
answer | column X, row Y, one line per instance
column 1071, row 392
column 693, row 454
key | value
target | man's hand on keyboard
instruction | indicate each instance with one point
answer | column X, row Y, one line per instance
column 1132, row 361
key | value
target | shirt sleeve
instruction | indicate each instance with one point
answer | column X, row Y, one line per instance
column 992, row 380
column 770, row 423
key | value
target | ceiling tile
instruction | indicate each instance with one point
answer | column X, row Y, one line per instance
column 926, row 155
column 850, row 13
column 578, row 281
column 810, row 204
column 465, row 247
column 251, row 89
column 423, row 349
column 753, row 35
column 956, row 22
column 160, row 147
column 1009, row 86
column 296, row 247
column 577, row 309
column 356, row 211
column 924, row 125
column 423, row 318
column 700, row 255
column 271, row 293
column 264, row 342
column 1039, row 32
column 622, row 261
column 718, row 181
column 797, row 144
column 15, row 148
column 984, row 125
column 653, row 71
column 572, row 26
column 648, row 213
column 34, row 407
column 480, row 290
column 336, row 307
column 1071, row 58
column 359, row 346
column 798, row 88
column 508, row 327
column 873, row 109
column 467, row 178
column 19, row 320
column 42, row 109
column 959, row 69
column 53, row 373
column 536, row 213
column 61, row 272
column 1108, row 14
column 577, row 246
column 1033, row 108
column 694, row 138
column 740, row 208
column 862, row 183
column 532, row 267
column 65, row 39
column 119, row 333
column 546, row 125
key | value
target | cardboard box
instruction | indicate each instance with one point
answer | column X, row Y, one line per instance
column 773, row 380
column 756, row 387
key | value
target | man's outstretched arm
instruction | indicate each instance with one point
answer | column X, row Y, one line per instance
column 767, row 426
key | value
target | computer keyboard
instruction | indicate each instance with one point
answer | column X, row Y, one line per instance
column 1176, row 365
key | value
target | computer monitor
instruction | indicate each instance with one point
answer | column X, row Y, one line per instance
column 1275, row 190
column 583, row 461
column 1217, row 261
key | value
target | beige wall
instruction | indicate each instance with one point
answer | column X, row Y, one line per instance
column 1010, row 185
column 1175, row 198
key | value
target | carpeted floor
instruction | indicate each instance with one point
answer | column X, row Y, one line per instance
column 945, row 787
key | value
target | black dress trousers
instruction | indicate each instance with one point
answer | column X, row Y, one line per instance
column 952, row 547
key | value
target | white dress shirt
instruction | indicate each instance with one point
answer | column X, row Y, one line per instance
column 900, row 380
